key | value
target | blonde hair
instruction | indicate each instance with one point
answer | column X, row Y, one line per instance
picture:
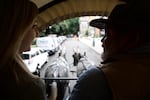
column 16, row 16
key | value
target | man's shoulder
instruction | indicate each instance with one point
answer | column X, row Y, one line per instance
column 94, row 80
column 93, row 74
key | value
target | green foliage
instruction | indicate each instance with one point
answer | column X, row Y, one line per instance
column 70, row 26
column 87, row 33
column 43, row 33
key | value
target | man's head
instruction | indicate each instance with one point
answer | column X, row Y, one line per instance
column 125, row 30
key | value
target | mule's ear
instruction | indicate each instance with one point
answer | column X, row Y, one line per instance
column 84, row 53
column 59, row 54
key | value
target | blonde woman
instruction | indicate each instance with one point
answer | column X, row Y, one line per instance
column 17, row 30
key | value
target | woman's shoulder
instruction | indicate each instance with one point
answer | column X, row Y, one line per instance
column 34, row 89
column 38, row 83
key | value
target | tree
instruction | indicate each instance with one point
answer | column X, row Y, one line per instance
column 70, row 26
